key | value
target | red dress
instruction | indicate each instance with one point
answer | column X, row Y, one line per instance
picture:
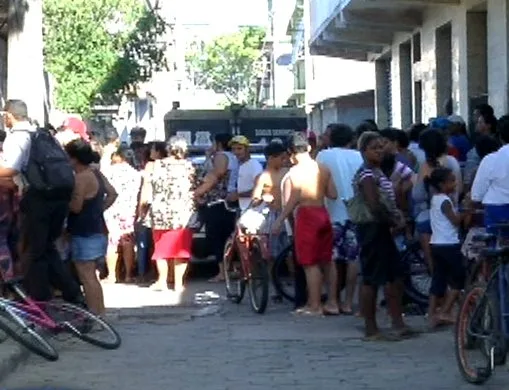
column 171, row 208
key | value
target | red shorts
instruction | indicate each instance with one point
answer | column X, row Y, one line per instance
column 313, row 236
column 172, row 244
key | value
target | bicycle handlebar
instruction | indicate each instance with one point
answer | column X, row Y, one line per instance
column 225, row 203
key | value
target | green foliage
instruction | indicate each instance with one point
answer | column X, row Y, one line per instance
column 228, row 64
column 98, row 49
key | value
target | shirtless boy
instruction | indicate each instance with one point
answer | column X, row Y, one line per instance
column 310, row 183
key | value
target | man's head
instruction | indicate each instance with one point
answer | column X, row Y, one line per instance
column 138, row 134
column 298, row 146
column 15, row 111
column 111, row 137
column 340, row 135
column 222, row 142
column 458, row 125
column 240, row 147
column 275, row 153
column 389, row 140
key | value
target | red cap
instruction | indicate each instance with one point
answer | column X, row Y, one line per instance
column 77, row 126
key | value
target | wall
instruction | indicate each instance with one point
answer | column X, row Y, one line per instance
column 351, row 110
column 469, row 55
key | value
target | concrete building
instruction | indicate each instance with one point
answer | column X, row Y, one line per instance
column 21, row 56
column 331, row 89
column 425, row 52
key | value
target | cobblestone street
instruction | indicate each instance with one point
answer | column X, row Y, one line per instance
column 236, row 349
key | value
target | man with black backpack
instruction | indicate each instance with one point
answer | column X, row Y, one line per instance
column 36, row 156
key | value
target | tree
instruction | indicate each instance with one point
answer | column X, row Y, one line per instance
column 228, row 64
column 98, row 49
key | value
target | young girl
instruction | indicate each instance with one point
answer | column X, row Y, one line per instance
column 448, row 268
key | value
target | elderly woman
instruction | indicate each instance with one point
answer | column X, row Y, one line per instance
column 376, row 214
column 171, row 207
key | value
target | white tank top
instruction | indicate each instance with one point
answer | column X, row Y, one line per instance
column 443, row 230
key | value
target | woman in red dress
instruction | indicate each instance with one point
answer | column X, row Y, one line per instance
column 171, row 208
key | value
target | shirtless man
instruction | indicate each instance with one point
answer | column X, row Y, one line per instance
column 310, row 183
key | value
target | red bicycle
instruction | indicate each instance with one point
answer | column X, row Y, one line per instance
column 246, row 263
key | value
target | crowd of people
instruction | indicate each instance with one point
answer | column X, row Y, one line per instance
column 346, row 200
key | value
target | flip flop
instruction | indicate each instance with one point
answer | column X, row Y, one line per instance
column 330, row 313
column 346, row 312
column 406, row 332
column 307, row 312
column 380, row 337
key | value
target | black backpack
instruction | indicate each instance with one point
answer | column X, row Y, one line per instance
column 48, row 171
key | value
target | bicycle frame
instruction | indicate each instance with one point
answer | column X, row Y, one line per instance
column 243, row 244
column 29, row 310
column 499, row 276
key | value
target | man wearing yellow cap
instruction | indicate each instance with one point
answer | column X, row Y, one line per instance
column 249, row 170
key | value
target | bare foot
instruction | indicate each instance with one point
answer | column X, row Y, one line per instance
column 330, row 310
column 447, row 319
column 217, row 279
column 159, row 286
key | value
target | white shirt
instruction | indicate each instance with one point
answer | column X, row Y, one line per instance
column 491, row 183
column 343, row 164
column 248, row 172
column 16, row 148
column 443, row 230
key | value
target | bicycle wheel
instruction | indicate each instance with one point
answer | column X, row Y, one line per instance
column 418, row 280
column 282, row 277
column 233, row 274
column 474, row 332
column 83, row 324
column 258, row 282
column 16, row 328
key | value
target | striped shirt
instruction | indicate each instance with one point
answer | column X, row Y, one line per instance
column 383, row 183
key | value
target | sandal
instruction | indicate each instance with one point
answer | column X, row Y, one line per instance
column 381, row 337
column 304, row 311
column 406, row 332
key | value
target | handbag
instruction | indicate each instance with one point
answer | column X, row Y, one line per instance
column 358, row 210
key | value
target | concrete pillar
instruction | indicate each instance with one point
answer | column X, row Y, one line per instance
column 498, row 55
column 443, row 44
column 477, row 54
column 405, row 84
column 25, row 77
column 381, row 94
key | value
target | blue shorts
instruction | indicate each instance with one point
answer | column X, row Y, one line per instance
column 90, row 248
column 496, row 214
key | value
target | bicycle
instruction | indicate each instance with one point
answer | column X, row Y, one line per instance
column 245, row 263
column 25, row 315
column 482, row 323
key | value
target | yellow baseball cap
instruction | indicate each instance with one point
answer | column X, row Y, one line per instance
column 239, row 140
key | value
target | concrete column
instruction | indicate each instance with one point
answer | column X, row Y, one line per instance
column 498, row 55
column 405, row 84
column 25, row 77
column 460, row 64
column 477, row 54
column 444, row 66
column 381, row 94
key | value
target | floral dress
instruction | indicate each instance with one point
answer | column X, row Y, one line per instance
column 120, row 217
column 173, row 183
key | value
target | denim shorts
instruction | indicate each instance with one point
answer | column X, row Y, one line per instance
column 89, row 248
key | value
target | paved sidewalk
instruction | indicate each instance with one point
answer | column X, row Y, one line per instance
column 237, row 349
column 130, row 301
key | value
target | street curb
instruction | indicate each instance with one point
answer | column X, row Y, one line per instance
column 185, row 312
column 11, row 363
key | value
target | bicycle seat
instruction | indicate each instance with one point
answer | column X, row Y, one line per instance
column 483, row 237
column 496, row 252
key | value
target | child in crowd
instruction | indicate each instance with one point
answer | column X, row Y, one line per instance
column 448, row 268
